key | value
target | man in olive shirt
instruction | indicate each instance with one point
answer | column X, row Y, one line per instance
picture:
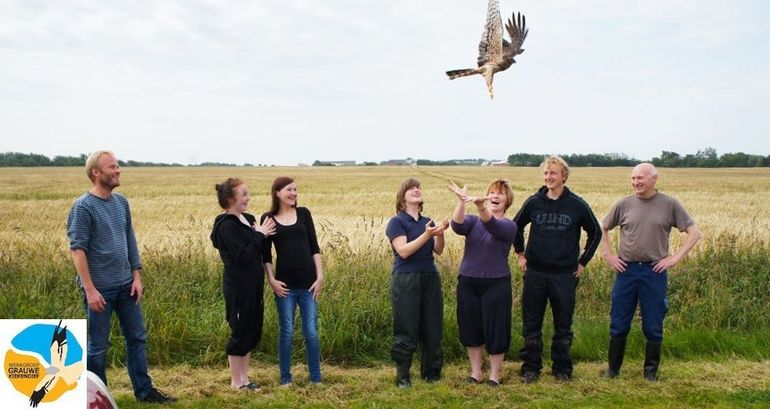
column 645, row 219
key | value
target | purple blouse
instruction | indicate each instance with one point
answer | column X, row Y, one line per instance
column 487, row 246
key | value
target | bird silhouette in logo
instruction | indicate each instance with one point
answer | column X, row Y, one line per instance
column 495, row 52
column 56, row 371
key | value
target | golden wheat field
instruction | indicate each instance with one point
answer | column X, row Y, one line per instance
column 172, row 206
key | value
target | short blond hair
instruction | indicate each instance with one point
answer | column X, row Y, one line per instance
column 93, row 162
column 556, row 160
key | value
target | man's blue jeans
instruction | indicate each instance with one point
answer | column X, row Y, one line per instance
column 308, row 310
column 119, row 300
column 639, row 284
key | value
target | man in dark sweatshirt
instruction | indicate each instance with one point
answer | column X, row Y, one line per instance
column 552, row 265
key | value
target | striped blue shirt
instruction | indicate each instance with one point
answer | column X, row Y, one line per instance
column 102, row 229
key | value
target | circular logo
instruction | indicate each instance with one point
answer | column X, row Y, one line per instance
column 44, row 362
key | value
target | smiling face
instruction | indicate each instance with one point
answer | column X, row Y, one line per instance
column 498, row 200
column 553, row 176
column 107, row 174
column 500, row 196
column 288, row 195
column 413, row 195
column 239, row 203
column 643, row 179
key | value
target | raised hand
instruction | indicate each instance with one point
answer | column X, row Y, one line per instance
column 462, row 194
column 477, row 200
column 434, row 228
column 267, row 228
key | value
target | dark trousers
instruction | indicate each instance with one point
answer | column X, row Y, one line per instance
column 484, row 313
column 418, row 318
column 244, row 312
column 539, row 288
column 639, row 285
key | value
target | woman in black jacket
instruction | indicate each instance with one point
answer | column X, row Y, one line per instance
column 238, row 238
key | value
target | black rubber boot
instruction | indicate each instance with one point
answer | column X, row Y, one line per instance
column 403, row 380
column 651, row 361
column 615, row 357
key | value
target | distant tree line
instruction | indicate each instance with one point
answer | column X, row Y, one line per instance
column 708, row 158
column 704, row 158
column 451, row 162
column 578, row 160
column 16, row 159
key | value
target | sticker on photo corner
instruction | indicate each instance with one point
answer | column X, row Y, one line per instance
column 44, row 363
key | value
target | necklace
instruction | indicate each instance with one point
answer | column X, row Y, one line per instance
column 285, row 218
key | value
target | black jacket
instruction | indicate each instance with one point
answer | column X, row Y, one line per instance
column 554, row 238
column 240, row 248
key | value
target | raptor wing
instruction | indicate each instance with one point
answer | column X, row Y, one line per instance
column 517, row 29
column 491, row 44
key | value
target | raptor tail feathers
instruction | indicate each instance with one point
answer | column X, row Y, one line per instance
column 462, row 73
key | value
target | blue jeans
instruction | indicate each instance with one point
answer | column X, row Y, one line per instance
column 119, row 300
column 308, row 310
column 639, row 284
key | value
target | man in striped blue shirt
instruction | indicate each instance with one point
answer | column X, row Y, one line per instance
column 109, row 269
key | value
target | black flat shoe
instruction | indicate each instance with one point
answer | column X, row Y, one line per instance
column 492, row 384
column 253, row 386
column 472, row 381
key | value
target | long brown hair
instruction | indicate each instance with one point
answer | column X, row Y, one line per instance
column 400, row 200
column 278, row 184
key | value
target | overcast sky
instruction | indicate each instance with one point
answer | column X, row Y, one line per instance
column 290, row 81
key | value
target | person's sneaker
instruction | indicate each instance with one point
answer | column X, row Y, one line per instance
column 157, row 396
column 403, row 383
column 529, row 377
column 492, row 383
column 563, row 377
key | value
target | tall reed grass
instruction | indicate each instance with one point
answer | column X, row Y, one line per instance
column 717, row 302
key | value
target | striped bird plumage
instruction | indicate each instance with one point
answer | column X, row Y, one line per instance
column 495, row 52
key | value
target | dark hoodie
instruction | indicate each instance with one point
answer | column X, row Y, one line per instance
column 240, row 247
column 554, row 239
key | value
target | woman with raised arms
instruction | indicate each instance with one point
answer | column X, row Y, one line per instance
column 484, row 295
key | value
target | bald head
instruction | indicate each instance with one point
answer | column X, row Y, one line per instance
column 646, row 167
column 644, row 176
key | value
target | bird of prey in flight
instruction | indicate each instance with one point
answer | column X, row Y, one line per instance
column 495, row 52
